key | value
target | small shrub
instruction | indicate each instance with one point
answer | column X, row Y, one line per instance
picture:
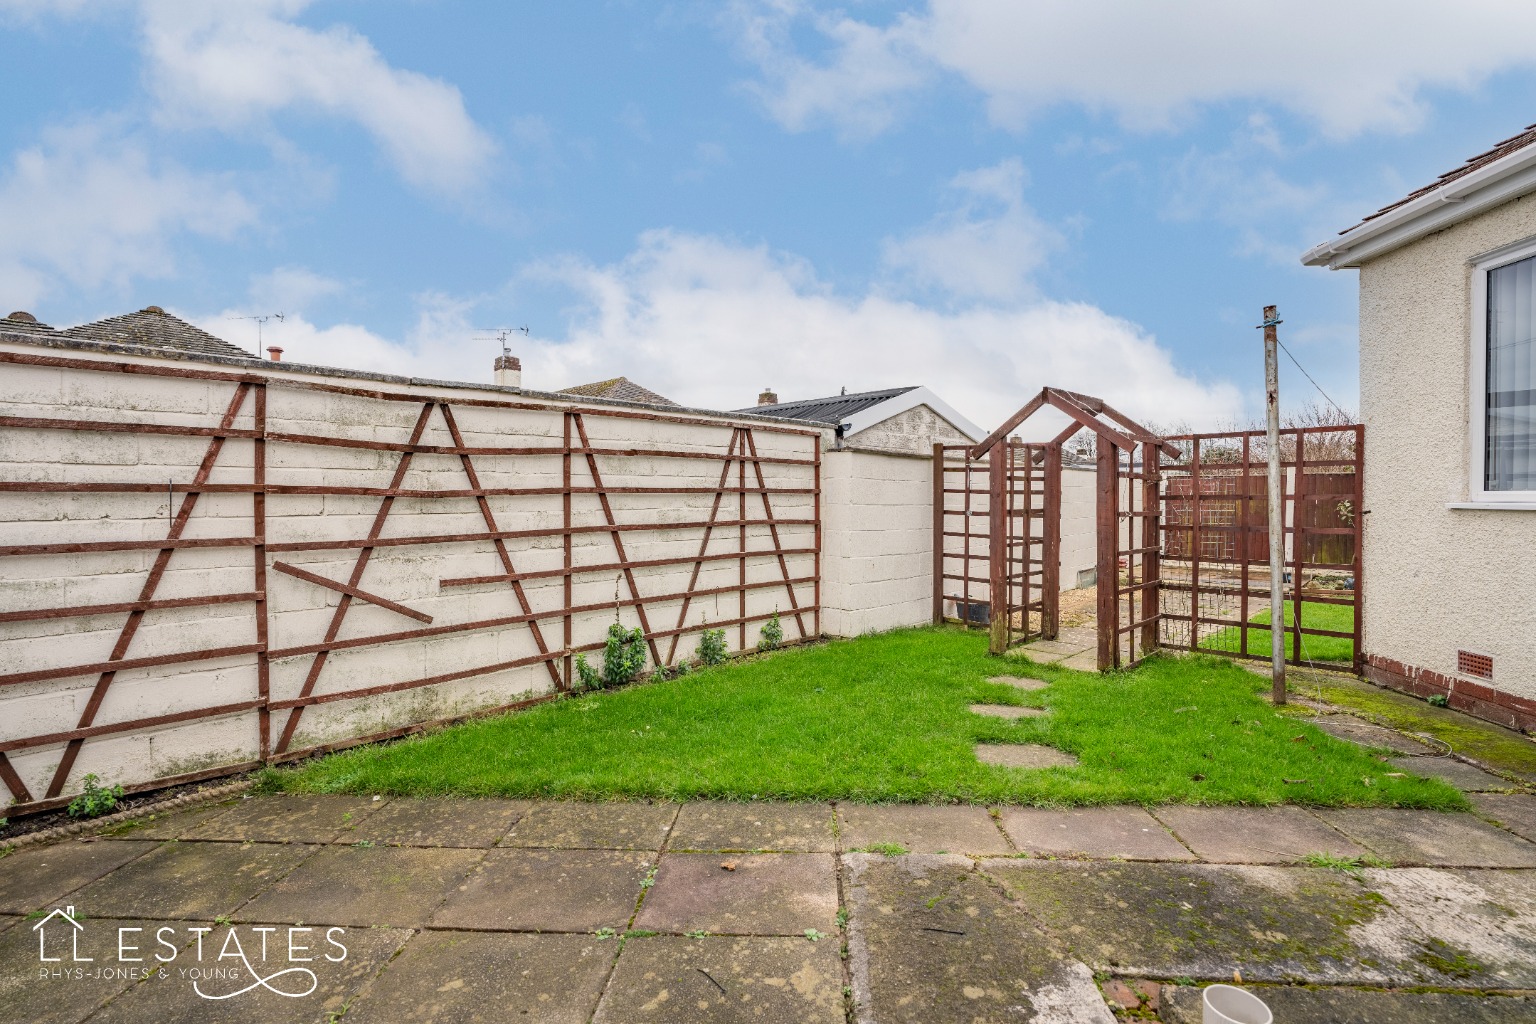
column 772, row 633
column 623, row 655
column 96, row 800
column 587, row 677
column 682, row 668
column 659, row 676
column 712, row 647
column 1438, row 700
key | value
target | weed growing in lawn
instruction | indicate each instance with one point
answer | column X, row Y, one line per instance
column 96, row 800
column 712, row 650
column 623, row 655
column 887, row 718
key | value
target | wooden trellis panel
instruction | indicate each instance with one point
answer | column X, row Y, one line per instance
column 745, row 547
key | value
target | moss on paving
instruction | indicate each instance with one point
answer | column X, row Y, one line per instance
column 1498, row 748
column 886, row 718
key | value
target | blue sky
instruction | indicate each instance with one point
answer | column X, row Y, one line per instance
column 980, row 195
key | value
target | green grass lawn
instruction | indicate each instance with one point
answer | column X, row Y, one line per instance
column 1338, row 617
column 886, row 718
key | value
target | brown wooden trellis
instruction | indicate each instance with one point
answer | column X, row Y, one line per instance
column 251, row 389
column 1216, row 548
column 1127, row 535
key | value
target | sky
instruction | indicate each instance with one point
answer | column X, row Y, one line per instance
column 983, row 196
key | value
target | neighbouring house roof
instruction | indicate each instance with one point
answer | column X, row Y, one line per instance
column 835, row 409
column 1505, row 172
column 23, row 323
column 864, row 409
column 620, row 388
column 153, row 327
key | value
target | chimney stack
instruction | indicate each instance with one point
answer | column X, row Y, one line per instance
column 509, row 371
column 275, row 353
column 768, row 397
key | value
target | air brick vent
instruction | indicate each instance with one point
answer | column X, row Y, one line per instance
column 1469, row 664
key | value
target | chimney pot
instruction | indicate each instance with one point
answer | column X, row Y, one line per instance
column 23, row 316
column 275, row 352
column 767, row 397
column 509, row 371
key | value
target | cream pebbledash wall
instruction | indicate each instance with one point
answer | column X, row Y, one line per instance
column 1438, row 579
column 912, row 432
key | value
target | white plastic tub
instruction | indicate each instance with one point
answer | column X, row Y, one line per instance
column 1227, row 1004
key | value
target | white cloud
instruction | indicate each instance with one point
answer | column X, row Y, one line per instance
column 232, row 65
column 709, row 322
column 89, row 209
column 291, row 288
column 986, row 246
column 1349, row 67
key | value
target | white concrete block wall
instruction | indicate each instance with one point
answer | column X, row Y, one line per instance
column 299, row 612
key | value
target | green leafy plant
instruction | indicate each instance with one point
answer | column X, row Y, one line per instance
column 659, row 676
column 96, row 800
column 698, row 933
column 884, row 849
column 605, row 933
column 712, row 647
column 683, row 668
column 1438, row 700
column 814, row 935
column 587, row 677
column 623, row 655
column 772, row 634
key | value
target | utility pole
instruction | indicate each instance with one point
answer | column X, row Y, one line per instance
column 1276, row 505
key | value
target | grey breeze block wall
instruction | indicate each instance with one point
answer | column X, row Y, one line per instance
column 1438, row 579
column 299, row 613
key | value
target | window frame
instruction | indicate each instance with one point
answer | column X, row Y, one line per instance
column 1477, row 382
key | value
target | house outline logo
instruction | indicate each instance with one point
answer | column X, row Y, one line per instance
column 68, row 914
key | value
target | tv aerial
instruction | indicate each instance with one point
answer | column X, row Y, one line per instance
column 500, row 335
column 279, row 317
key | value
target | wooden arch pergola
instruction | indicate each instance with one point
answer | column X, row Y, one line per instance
column 1023, row 589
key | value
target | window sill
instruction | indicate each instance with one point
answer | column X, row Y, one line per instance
column 1518, row 506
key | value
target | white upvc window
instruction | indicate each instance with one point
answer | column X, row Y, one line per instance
column 1503, row 378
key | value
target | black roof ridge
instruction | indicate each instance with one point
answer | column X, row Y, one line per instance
column 853, row 396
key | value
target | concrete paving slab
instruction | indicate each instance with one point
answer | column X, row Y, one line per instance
column 385, row 885
column 1255, row 835
column 1007, row 711
column 1181, row 1005
column 920, row 828
column 742, row 894
column 1353, row 730
column 37, row 878
column 932, row 942
column 718, row 825
column 404, row 821
column 1060, row 648
column 1206, row 920
column 288, row 818
column 1409, row 837
column 1023, row 755
column 1126, row 832
column 615, row 825
column 548, row 890
column 1482, row 923
column 720, row 980
column 190, row 880
column 1463, row 776
column 454, row 977
column 173, row 1000
column 1084, row 661
column 1515, row 812
column 26, row 997
column 1045, row 657
column 171, row 824
column 1020, row 682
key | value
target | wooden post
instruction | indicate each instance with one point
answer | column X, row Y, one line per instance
column 1151, row 543
column 1108, row 553
column 997, row 547
column 1050, row 549
column 938, row 533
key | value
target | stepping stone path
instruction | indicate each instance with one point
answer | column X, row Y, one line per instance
column 1006, row 711
column 1023, row 755
column 1022, row 682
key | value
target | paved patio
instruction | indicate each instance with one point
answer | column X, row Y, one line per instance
column 465, row 910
